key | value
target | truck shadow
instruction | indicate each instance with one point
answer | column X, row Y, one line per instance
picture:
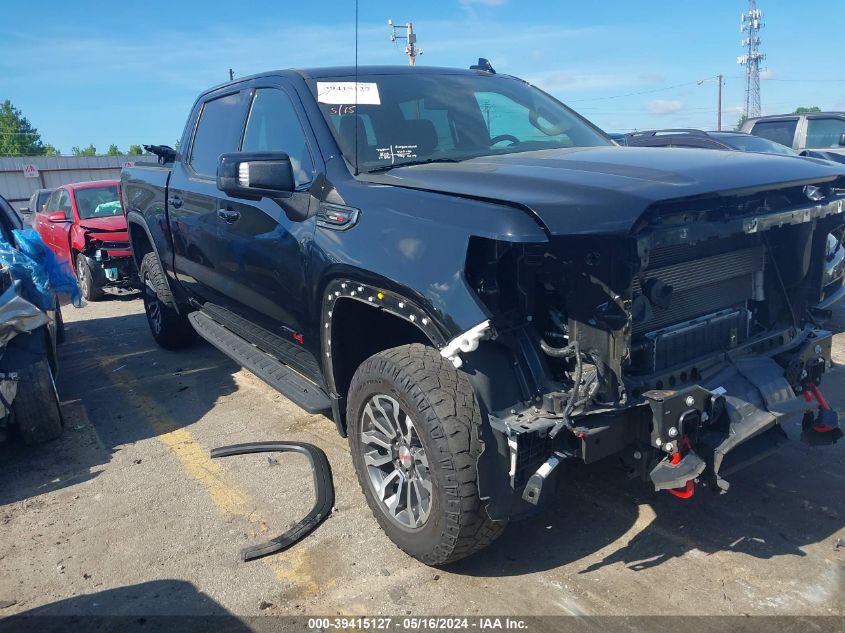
column 159, row 605
column 117, row 387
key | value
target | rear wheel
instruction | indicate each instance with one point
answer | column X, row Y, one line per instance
column 414, row 435
column 35, row 407
column 169, row 328
column 85, row 276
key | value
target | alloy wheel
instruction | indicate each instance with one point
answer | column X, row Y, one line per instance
column 80, row 276
column 152, row 304
column 397, row 466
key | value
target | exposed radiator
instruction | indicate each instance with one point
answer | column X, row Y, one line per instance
column 700, row 286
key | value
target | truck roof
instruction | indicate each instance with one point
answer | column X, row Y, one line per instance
column 349, row 71
column 795, row 114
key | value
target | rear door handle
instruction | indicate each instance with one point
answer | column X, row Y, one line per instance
column 229, row 215
column 174, row 201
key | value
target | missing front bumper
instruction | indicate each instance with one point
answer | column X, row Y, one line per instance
column 734, row 419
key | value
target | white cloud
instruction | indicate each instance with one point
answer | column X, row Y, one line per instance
column 767, row 73
column 665, row 106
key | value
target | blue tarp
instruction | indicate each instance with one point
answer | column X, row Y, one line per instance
column 41, row 274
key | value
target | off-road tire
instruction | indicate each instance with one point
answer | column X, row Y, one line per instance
column 36, row 408
column 442, row 404
column 169, row 328
column 85, row 276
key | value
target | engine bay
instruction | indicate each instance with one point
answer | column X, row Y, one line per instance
column 600, row 327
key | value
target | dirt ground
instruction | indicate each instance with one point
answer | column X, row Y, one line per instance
column 127, row 514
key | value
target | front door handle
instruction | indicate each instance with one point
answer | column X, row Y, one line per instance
column 229, row 215
column 174, row 201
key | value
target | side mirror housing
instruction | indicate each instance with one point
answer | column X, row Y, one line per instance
column 255, row 175
column 25, row 210
column 57, row 217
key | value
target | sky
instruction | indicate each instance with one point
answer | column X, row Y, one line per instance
column 128, row 72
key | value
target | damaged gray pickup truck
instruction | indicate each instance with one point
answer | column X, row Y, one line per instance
column 477, row 284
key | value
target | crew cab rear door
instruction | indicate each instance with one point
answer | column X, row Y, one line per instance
column 193, row 198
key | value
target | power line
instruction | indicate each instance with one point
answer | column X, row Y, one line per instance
column 633, row 94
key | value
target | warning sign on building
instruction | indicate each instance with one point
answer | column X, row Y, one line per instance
column 30, row 171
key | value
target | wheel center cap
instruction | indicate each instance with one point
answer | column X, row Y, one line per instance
column 405, row 457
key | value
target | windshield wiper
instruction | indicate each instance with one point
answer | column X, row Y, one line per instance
column 412, row 162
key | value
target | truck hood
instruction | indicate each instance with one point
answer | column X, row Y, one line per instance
column 606, row 189
column 104, row 225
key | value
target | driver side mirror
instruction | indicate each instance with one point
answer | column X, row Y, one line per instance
column 255, row 175
column 57, row 217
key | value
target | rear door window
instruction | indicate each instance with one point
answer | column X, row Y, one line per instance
column 218, row 132
column 825, row 132
column 781, row 131
column 52, row 204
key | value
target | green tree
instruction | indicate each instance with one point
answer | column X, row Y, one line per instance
column 88, row 151
column 112, row 150
column 804, row 110
column 49, row 150
column 17, row 136
column 740, row 122
column 135, row 150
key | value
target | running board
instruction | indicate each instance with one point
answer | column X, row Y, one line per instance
column 294, row 387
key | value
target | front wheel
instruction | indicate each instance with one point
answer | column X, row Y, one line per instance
column 415, row 440
column 85, row 276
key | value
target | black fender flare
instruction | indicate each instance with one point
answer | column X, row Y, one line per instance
column 136, row 218
column 343, row 289
column 323, row 492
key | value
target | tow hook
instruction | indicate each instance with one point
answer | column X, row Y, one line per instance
column 677, row 473
column 689, row 489
column 823, row 428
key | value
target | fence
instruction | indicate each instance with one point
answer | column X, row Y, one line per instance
column 21, row 176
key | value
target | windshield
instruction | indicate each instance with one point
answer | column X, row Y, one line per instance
column 414, row 118
column 97, row 202
column 751, row 143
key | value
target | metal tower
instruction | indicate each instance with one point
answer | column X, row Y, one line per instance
column 751, row 22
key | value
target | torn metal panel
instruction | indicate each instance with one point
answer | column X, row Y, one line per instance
column 18, row 315
column 757, row 398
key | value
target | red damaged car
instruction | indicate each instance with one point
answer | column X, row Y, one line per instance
column 84, row 224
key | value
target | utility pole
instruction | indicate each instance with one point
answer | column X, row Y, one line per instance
column 411, row 49
column 719, row 105
column 231, row 74
column 719, row 79
column 751, row 22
